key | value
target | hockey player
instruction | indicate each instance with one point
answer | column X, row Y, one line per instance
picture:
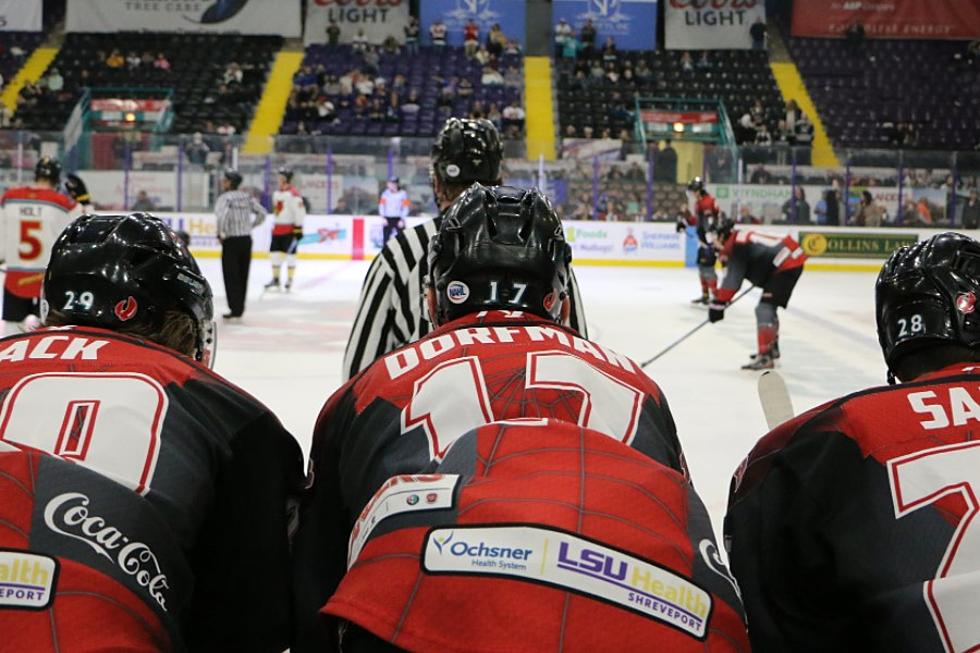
column 390, row 312
column 619, row 562
column 290, row 210
column 772, row 263
column 498, row 295
column 705, row 219
column 33, row 217
column 143, row 499
column 393, row 207
column 852, row 527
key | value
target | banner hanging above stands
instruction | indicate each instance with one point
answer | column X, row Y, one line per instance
column 378, row 18
column 632, row 23
column 280, row 17
column 711, row 24
column 509, row 14
column 21, row 15
column 891, row 19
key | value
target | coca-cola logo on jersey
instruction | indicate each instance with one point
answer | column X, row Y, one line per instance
column 69, row 515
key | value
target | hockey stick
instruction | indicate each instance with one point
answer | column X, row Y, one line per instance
column 694, row 330
column 775, row 399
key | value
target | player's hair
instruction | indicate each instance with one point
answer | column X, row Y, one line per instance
column 178, row 330
column 922, row 361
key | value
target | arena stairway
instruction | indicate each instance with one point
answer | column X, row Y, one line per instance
column 539, row 108
column 272, row 105
column 31, row 71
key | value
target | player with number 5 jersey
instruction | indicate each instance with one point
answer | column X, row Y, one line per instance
column 498, row 295
column 33, row 216
column 853, row 527
column 144, row 500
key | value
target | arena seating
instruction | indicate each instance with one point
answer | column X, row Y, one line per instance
column 427, row 72
column 198, row 64
column 892, row 93
column 11, row 63
column 737, row 77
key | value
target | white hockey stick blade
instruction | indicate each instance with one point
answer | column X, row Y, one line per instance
column 775, row 399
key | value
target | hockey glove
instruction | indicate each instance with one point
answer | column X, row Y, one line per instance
column 681, row 225
column 297, row 232
column 716, row 311
column 76, row 188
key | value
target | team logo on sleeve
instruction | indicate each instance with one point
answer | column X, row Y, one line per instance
column 457, row 292
column 126, row 309
column 27, row 581
column 966, row 303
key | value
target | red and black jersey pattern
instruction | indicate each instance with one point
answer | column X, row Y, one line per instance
column 158, row 450
column 757, row 258
column 409, row 407
column 852, row 526
column 529, row 536
column 706, row 211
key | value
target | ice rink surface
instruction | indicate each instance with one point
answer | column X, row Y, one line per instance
column 288, row 349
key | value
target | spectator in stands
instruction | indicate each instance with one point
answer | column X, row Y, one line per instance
column 496, row 40
column 412, row 33
column 491, row 77
column 161, row 62
column 571, row 47
column 115, row 60
column 971, row 211
column 571, row 132
column 832, row 203
column 482, row 56
column 612, row 74
column 796, row 210
column 476, row 111
column 665, row 164
column 133, row 60
column 758, row 113
column 758, row 32
column 513, row 48
column 55, row 81
column 390, row 45
column 360, row 42
column 587, row 36
column 325, row 109
column 643, row 71
column 762, row 136
column 793, row 114
column 687, row 63
column 333, row 33
column 803, row 131
column 5, row 119
column 513, row 116
column 437, row 33
column 760, row 175
column 609, row 53
column 868, row 213
column 562, row 31
column 923, row 213
column 377, row 111
column 783, row 135
column 142, row 203
column 197, row 150
column 146, row 59
column 495, row 116
column 412, row 105
column 471, row 37
column 513, row 78
column 465, row 88
column 745, row 216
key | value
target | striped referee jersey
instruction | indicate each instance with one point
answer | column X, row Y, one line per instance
column 234, row 210
column 391, row 310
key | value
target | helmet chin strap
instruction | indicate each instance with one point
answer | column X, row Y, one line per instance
column 891, row 378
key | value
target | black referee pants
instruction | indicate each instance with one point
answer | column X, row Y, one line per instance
column 236, row 257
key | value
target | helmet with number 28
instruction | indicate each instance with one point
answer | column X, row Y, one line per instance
column 499, row 248
column 927, row 295
column 128, row 273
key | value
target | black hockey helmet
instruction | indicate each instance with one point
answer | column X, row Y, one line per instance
column 502, row 248
column 927, row 294
column 286, row 172
column 467, row 151
column 234, row 178
column 48, row 168
column 696, row 185
column 111, row 271
column 723, row 228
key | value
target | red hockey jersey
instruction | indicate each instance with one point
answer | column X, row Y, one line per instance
column 851, row 527
column 409, row 407
column 166, row 486
column 756, row 257
column 540, row 536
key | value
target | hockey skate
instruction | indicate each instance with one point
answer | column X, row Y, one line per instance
column 700, row 300
column 774, row 352
column 273, row 285
column 760, row 362
column 289, row 286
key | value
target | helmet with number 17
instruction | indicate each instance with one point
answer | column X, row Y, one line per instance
column 130, row 273
column 927, row 294
column 499, row 248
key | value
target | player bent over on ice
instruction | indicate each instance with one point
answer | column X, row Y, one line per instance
column 586, row 481
column 143, row 498
column 772, row 263
column 852, row 527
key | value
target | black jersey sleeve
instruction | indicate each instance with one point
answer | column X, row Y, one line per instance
column 242, row 561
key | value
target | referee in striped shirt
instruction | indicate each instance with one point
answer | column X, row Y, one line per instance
column 390, row 312
column 238, row 213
